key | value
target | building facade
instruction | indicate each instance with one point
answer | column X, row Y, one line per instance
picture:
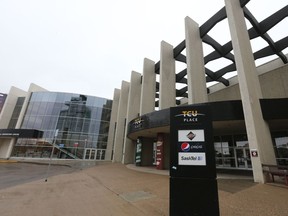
column 72, row 126
column 2, row 100
column 250, row 124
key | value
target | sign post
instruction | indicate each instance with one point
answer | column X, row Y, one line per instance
column 193, row 184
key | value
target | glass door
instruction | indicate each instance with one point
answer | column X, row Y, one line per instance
column 248, row 158
column 243, row 159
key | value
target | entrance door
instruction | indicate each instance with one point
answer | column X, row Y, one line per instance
column 243, row 159
column 89, row 154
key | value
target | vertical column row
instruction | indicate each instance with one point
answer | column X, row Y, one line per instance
column 121, row 122
column 132, row 112
column 138, row 97
column 112, row 125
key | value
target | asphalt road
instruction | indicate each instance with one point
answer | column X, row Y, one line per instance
column 12, row 174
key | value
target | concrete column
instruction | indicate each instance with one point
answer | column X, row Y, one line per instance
column 257, row 129
column 196, row 81
column 148, row 90
column 112, row 125
column 132, row 112
column 167, row 91
column 121, row 122
column 6, row 147
column 9, row 105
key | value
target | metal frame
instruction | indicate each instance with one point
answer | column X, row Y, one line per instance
column 259, row 29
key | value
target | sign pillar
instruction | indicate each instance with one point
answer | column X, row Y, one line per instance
column 193, row 184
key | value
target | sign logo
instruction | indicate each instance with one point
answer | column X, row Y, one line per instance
column 191, row 135
column 192, row 158
column 190, row 115
column 185, row 147
column 254, row 152
column 137, row 122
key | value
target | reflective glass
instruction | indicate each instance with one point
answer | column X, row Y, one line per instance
column 79, row 119
column 280, row 142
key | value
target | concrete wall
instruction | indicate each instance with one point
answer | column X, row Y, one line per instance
column 5, row 145
column 274, row 84
column 9, row 106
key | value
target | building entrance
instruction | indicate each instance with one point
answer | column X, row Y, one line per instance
column 232, row 151
column 243, row 160
column 93, row 154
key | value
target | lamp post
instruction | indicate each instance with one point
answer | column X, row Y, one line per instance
column 52, row 152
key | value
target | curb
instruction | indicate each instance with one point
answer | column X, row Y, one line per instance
column 8, row 161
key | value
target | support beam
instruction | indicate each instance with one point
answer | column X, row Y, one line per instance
column 148, row 90
column 167, row 90
column 132, row 112
column 121, row 122
column 112, row 125
column 196, row 80
column 257, row 129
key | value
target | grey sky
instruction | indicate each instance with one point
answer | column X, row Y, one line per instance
column 90, row 46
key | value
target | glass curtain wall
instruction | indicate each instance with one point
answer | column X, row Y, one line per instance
column 77, row 125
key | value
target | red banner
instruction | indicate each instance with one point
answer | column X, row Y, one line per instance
column 160, row 155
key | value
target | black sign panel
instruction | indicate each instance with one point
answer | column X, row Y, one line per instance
column 193, row 184
column 192, row 151
column 21, row 133
column 193, row 197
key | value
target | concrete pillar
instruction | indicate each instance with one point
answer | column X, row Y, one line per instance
column 9, row 105
column 121, row 123
column 132, row 112
column 196, row 81
column 6, row 147
column 148, row 90
column 112, row 125
column 257, row 129
column 167, row 91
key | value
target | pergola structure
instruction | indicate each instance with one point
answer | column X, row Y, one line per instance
column 258, row 29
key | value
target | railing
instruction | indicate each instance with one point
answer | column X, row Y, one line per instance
column 275, row 170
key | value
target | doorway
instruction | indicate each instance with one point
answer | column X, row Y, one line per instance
column 94, row 154
column 242, row 158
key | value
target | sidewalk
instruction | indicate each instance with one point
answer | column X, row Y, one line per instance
column 115, row 190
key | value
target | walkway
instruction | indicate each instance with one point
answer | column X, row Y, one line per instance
column 115, row 190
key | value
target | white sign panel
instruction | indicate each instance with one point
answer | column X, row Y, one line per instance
column 191, row 136
column 192, row 158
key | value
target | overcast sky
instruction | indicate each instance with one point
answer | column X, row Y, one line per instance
column 90, row 46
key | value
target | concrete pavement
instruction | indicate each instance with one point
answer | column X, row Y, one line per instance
column 114, row 189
